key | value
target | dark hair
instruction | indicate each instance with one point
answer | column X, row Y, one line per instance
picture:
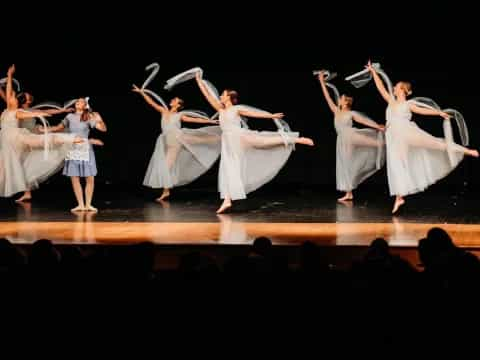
column 180, row 103
column 22, row 98
column 233, row 95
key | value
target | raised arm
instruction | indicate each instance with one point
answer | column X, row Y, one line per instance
column 331, row 104
column 367, row 122
column 260, row 115
column 9, row 88
column 426, row 111
column 3, row 95
column 214, row 102
column 190, row 119
column 149, row 100
column 379, row 82
column 100, row 124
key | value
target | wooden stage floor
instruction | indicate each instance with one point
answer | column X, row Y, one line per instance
column 290, row 221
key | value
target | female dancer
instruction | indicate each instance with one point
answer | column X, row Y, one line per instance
column 181, row 155
column 360, row 152
column 81, row 160
column 415, row 159
column 27, row 159
column 248, row 158
column 25, row 101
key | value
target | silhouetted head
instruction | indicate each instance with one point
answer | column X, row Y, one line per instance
column 263, row 246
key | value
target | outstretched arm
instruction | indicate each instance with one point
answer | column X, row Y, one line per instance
column 331, row 104
column 58, row 111
column 260, row 115
column 214, row 102
column 149, row 100
column 57, row 128
column 425, row 111
column 190, row 119
column 24, row 115
column 379, row 82
column 367, row 122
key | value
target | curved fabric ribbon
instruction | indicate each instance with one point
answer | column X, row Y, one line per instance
column 363, row 77
column 3, row 81
column 447, row 124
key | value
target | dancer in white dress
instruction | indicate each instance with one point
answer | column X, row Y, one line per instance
column 27, row 159
column 25, row 102
column 249, row 159
column 360, row 152
column 181, row 155
column 415, row 159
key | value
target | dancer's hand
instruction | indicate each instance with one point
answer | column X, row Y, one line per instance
column 11, row 70
column 68, row 110
column 41, row 129
column 445, row 116
column 137, row 89
column 96, row 142
column 215, row 122
column 321, row 76
column 278, row 116
column 369, row 66
column 381, row 128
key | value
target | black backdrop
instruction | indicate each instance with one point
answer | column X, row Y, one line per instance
column 266, row 55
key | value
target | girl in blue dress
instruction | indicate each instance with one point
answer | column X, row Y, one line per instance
column 80, row 161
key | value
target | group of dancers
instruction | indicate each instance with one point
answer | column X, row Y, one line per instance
column 248, row 158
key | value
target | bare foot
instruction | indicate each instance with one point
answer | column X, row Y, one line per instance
column 96, row 142
column 165, row 195
column 396, row 206
column 25, row 197
column 78, row 208
column 472, row 152
column 305, row 141
column 91, row 209
column 347, row 197
column 225, row 205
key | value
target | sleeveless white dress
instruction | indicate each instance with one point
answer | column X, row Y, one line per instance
column 249, row 159
column 181, row 155
column 22, row 159
column 360, row 152
column 415, row 159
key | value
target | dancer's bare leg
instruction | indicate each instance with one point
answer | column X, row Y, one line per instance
column 227, row 203
column 77, row 190
column 171, row 157
column 27, row 196
column 265, row 142
column 348, row 196
column 399, row 201
column 89, row 193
